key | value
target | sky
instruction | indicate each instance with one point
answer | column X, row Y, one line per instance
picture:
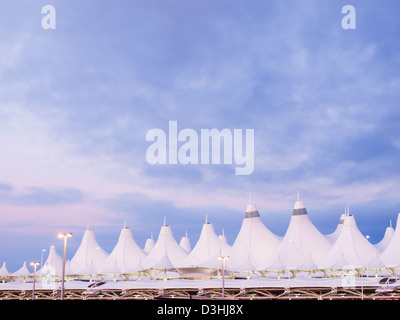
column 77, row 101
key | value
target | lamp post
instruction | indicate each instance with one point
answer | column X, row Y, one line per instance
column 223, row 258
column 41, row 261
column 366, row 275
column 367, row 262
column 64, row 236
column 34, row 264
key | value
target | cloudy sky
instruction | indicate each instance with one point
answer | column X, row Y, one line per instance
column 76, row 103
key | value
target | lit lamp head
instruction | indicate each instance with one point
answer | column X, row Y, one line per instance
column 34, row 264
column 65, row 235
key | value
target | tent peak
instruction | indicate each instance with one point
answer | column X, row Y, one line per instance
column 299, row 207
column 251, row 211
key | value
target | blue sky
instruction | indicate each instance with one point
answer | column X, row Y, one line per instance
column 76, row 104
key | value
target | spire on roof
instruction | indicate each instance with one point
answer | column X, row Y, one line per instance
column 207, row 249
column 89, row 250
column 185, row 243
column 149, row 243
column 251, row 211
column 125, row 255
column 167, row 246
column 299, row 207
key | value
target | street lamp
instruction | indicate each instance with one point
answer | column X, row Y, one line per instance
column 41, row 257
column 64, row 236
column 366, row 275
column 367, row 237
column 34, row 264
column 223, row 258
column 41, row 261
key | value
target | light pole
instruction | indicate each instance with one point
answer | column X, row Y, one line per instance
column 34, row 264
column 64, row 236
column 367, row 262
column 41, row 261
column 223, row 258
column 366, row 275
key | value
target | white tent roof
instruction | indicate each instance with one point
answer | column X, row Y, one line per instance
column 340, row 263
column 166, row 245
column 137, row 268
column 207, row 247
column 112, row 268
column 376, row 268
column 255, row 249
column 185, row 244
column 375, row 263
column 68, row 269
column 309, row 269
column 355, row 248
column 53, row 264
column 246, row 266
column 276, row 264
column 89, row 269
column 334, row 235
column 222, row 237
column 164, row 263
column 381, row 245
column 21, row 272
column 309, row 264
column 3, row 271
column 391, row 255
column 125, row 255
column 302, row 240
column 254, row 241
column 149, row 244
column 89, row 253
